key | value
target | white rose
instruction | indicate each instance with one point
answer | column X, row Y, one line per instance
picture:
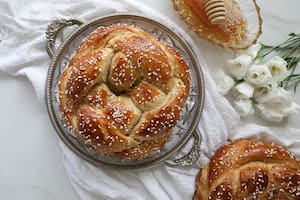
column 253, row 50
column 277, row 104
column 244, row 107
column 268, row 115
column 275, row 115
column 238, row 66
column 258, row 75
column 243, row 90
column 224, row 82
column 277, row 67
column 261, row 91
column 276, row 93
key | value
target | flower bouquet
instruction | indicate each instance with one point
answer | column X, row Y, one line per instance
column 259, row 79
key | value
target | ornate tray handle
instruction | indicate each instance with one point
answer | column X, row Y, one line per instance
column 192, row 156
column 54, row 28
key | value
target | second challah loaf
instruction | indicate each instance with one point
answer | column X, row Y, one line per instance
column 246, row 170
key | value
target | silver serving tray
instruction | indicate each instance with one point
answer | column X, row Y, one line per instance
column 186, row 126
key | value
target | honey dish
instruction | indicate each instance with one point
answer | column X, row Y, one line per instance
column 234, row 24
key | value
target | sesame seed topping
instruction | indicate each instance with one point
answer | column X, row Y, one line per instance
column 105, row 98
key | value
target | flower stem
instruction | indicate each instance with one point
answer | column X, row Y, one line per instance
column 289, row 50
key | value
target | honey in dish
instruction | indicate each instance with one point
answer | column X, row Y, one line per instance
column 227, row 30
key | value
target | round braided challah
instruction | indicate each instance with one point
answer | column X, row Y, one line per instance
column 246, row 170
column 123, row 91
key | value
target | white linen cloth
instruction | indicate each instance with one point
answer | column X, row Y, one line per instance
column 22, row 49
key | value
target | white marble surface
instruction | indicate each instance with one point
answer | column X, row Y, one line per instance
column 31, row 161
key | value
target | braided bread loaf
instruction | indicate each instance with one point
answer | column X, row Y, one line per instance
column 123, row 91
column 245, row 170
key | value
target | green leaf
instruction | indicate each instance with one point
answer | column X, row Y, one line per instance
column 289, row 50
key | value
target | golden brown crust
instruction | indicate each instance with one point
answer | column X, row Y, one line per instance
column 123, row 91
column 245, row 169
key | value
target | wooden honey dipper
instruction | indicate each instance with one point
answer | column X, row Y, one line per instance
column 215, row 10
